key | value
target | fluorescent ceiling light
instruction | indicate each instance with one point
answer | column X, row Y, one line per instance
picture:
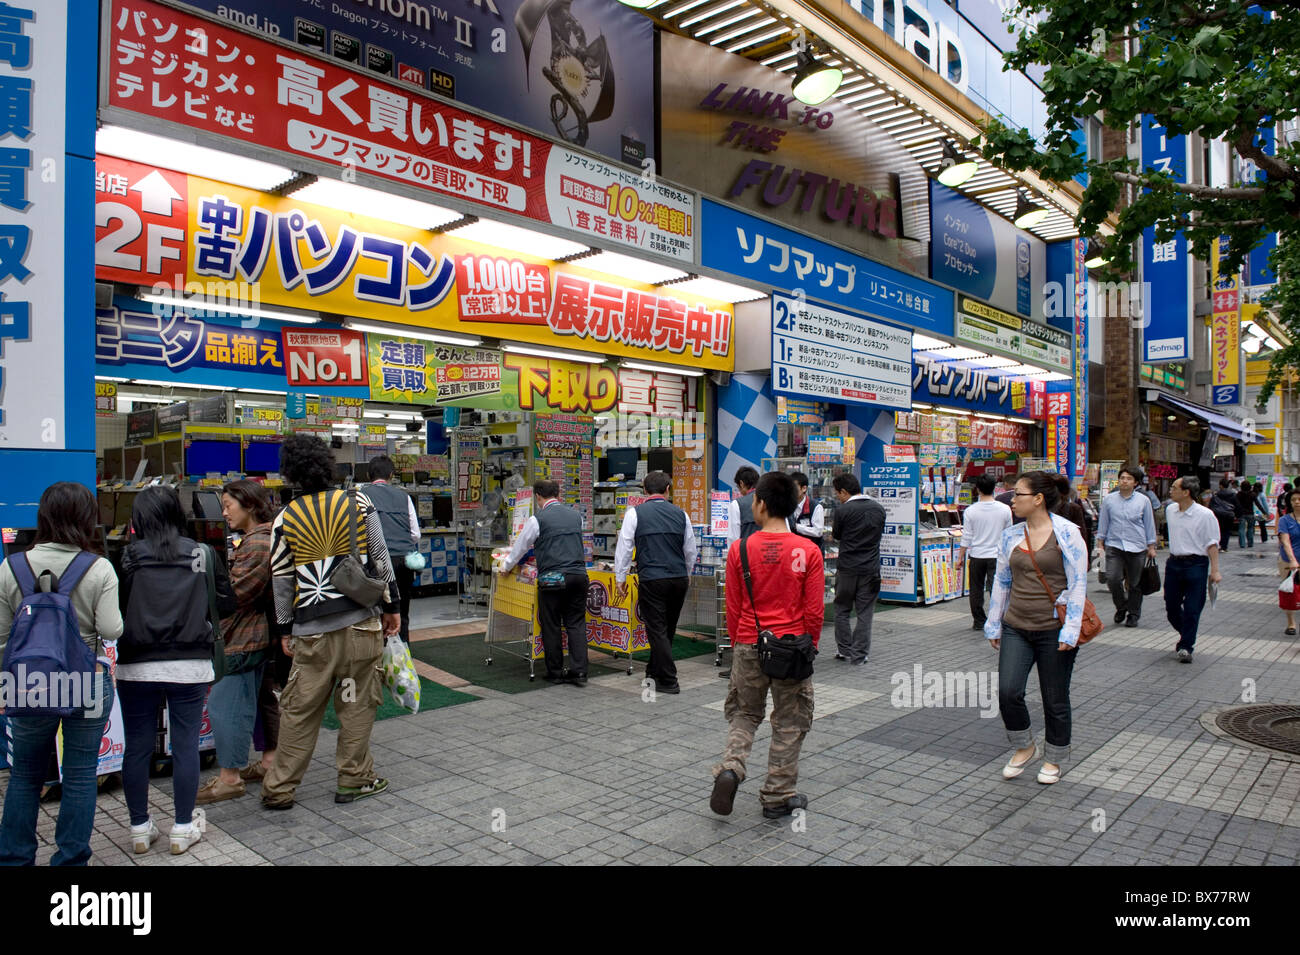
column 514, row 239
column 554, row 353
column 110, row 378
column 992, row 361
column 187, row 157
column 920, row 404
column 197, row 303
column 1055, row 376
column 258, row 391
column 1024, row 371
column 626, row 267
column 925, row 342
column 958, row 353
column 714, row 289
column 943, row 410
column 178, row 384
column 991, row 417
column 364, row 201
column 1251, row 346
column 666, row 369
column 403, row 331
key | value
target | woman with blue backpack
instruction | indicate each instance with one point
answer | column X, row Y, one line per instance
column 59, row 597
column 169, row 586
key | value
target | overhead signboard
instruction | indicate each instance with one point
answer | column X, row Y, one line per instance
column 1225, row 331
column 566, row 69
column 1167, row 316
column 825, row 354
column 253, row 248
column 733, row 130
column 955, row 384
column 235, row 85
column 987, row 327
column 773, row 256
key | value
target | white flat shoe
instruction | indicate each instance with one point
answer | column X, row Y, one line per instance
column 1048, row 776
column 1012, row 769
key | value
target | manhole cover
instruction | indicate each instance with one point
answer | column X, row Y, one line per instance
column 1272, row 725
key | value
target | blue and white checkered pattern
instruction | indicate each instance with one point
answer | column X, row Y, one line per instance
column 746, row 425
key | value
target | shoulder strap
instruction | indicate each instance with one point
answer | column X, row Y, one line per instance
column 75, row 571
column 22, row 571
column 749, row 586
column 210, row 572
column 350, row 516
column 1038, row 570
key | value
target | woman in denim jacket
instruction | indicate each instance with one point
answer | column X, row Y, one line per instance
column 1023, row 626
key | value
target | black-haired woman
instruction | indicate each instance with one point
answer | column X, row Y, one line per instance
column 233, row 702
column 1042, row 563
column 165, row 657
column 65, row 529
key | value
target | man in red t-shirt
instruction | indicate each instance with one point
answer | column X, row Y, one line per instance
column 789, row 598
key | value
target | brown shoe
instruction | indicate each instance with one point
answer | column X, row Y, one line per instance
column 253, row 772
column 214, row 790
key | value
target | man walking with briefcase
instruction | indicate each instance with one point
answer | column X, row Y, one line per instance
column 787, row 586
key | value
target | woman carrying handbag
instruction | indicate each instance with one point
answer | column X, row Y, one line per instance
column 1043, row 556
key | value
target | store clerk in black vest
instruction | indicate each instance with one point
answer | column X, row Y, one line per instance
column 664, row 541
column 809, row 517
column 741, row 513
column 401, row 531
column 554, row 532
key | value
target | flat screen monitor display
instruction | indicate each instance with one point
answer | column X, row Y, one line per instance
column 262, row 457
column 17, row 540
column 660, row 459
column 619, row 461
column 342, row 472
column 207, row 505
column 122, row 508
column 131, row 458
column 205, row 457
column 361, row 473
column 153, row 454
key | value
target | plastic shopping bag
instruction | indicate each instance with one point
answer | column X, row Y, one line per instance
column 1287, row 585
column 399, row 674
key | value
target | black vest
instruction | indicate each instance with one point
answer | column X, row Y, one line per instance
column 660, row 541
column 559, row 542
column 747, row 525
column 804, row 515
column 393, row 505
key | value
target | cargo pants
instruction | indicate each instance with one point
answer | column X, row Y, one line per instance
column 343, row 664
column 792, row 712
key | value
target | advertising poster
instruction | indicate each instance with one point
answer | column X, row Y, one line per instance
column 612, row 625
column 265, row 250
column 821, row 353
column 690, row 484
column 719, row 513
column 467, row 463
column 566, row 70
column 236, row 85
column 563, row 451
column 895, row 487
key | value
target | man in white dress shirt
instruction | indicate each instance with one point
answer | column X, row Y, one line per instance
column 982, row 525
column 1193, row 562
column 809, row 517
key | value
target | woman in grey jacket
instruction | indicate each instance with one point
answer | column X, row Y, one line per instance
column 65, row 527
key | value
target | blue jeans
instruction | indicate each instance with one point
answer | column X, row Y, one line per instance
column 33, row 741
column 232, row 709
column 1021, row 649
column 1186, row 583
column 140, row 704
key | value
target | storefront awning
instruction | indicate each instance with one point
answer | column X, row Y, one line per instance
column 1220, row 423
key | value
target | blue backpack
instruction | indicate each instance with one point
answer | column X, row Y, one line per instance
column 46, row 641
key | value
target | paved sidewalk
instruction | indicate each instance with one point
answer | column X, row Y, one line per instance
column 602, row 775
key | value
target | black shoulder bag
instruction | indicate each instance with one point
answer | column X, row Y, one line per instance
column 787, row 657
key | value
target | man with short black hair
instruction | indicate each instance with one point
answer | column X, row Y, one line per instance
column 1128, row 522
column 401, row 530
column 554, row 532
column 787, row 581
column 741, row 512
column 1193, row 561
column 809, row 517
column 664, row 541
column 857, row 524
column 982, row 524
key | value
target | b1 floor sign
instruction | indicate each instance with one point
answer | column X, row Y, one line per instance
column 1227, row 394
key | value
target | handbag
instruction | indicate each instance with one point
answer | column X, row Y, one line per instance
column 214, row 615
column 788, row 657
column 1149, row 582
column 350, row 576
column 1090, row 625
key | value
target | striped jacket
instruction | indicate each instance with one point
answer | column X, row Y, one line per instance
column 307, row 540
column 250, row 579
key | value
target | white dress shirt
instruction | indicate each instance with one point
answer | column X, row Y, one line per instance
column 982, row 524
column 733, row 523
column 1193, row 530
column 627, row 542
column 817, row 529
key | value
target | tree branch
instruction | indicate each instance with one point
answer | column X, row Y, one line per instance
column 1277, row 168
column 1192, row 189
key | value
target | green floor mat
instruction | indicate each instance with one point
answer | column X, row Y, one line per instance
column 433, row 696
column 683, row 649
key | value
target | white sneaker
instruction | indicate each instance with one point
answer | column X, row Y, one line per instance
column 143, row 836
column 183, row 837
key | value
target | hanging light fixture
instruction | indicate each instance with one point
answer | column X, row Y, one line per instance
column 815, row 82
column 1027, row 214
column 954, row 168
column 1096, row 255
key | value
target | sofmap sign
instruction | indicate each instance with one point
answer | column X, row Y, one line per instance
column 166, row 65
column 732, row 129
column 1168, row 316
column 160, row 228
column 825, row 354
column 977, row 251
column 776, row 257
column 493, row 56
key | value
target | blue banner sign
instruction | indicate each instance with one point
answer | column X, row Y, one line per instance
column 1168, row 315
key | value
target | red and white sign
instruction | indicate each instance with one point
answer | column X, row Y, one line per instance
column 1058, row 405
column 169, row 65
column 141, row 215
column 322, row 359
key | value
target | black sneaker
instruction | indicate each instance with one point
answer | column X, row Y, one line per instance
column 1132, row 621
column 578, row 679
column 725, row 785
column 673, row 690
column 1184, row 656
column 797, row 801
column 840, row 656
column 1119, row 616
column 353, row 793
